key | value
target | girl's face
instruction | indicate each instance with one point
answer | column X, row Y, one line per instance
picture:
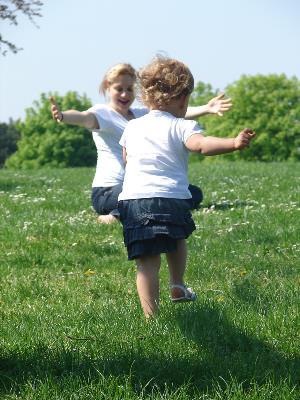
column 121, row 93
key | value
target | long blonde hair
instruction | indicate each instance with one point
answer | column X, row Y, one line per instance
column 114, row 72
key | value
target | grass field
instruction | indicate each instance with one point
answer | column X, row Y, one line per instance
column 70, row 321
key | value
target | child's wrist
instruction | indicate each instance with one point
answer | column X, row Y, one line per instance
column 235, row 144
column 59, row 119
column 207, row 109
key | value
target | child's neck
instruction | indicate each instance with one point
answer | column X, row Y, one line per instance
column 172, row 110
column 176, row 107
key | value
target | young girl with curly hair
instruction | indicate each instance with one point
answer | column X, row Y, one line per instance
column 107, row 123
column 154, row 202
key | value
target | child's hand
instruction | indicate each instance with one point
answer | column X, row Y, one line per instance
column 243, row 138
column 218, row 105
column 56, row 113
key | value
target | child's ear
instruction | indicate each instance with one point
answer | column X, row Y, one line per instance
column 183, row 101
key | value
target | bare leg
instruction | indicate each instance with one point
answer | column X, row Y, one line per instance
column 147, row 282
column 177, row 264
column 107, row 219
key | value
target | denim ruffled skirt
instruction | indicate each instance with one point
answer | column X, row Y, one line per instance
column 153, row 226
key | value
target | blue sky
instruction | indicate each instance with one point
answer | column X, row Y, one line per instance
column 77, row 41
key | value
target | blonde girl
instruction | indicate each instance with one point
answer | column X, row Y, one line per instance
column 107, row 123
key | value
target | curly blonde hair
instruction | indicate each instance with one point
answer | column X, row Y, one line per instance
column 163, row 80
column 114, row 72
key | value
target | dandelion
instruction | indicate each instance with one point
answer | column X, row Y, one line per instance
column 220, row 298
column 89, row 272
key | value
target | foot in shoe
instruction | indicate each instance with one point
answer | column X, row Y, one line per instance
column 182, row 293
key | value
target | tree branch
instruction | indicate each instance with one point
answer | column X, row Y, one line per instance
column 9, row 12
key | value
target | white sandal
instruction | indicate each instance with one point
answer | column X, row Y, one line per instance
column 188, row 294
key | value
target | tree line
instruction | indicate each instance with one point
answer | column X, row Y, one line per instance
column 269, row 104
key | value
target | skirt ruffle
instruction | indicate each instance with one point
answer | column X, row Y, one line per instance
column 149, row 233
column 157, row 225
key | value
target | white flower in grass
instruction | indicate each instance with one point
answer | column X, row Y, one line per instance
column 26, row 225
column 32, row 238
column 37, row 199
column 16, row 197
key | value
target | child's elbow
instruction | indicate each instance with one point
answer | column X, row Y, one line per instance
column 199, row 149
column 194, row 147
column 204, row 152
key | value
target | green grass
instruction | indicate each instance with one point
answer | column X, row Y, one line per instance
column 70, row 321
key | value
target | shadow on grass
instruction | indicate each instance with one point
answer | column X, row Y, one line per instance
column 225, row 354
column 232, row 354
column 8, row 185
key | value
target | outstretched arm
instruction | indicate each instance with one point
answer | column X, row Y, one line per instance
column 211, row 145
column 217, row 105
column 81, row 118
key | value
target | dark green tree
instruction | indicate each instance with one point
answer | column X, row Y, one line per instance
column 269, row 104
column 9, row 135
column 44, row 142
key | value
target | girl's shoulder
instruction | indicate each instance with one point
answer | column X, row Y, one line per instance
column 188, row 124
column 184, row 128
column 98, row 108
column 106, row 116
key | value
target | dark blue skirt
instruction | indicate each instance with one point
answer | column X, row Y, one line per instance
column 153, row 226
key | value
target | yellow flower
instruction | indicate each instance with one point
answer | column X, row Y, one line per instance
column 89, row 272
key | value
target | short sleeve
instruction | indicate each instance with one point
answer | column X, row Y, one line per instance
column 190, row 128
column 99, row 111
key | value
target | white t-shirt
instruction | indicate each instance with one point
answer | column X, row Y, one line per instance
column 157, row 158
column 110, row 164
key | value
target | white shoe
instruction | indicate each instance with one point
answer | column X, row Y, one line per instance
column 182, row 293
